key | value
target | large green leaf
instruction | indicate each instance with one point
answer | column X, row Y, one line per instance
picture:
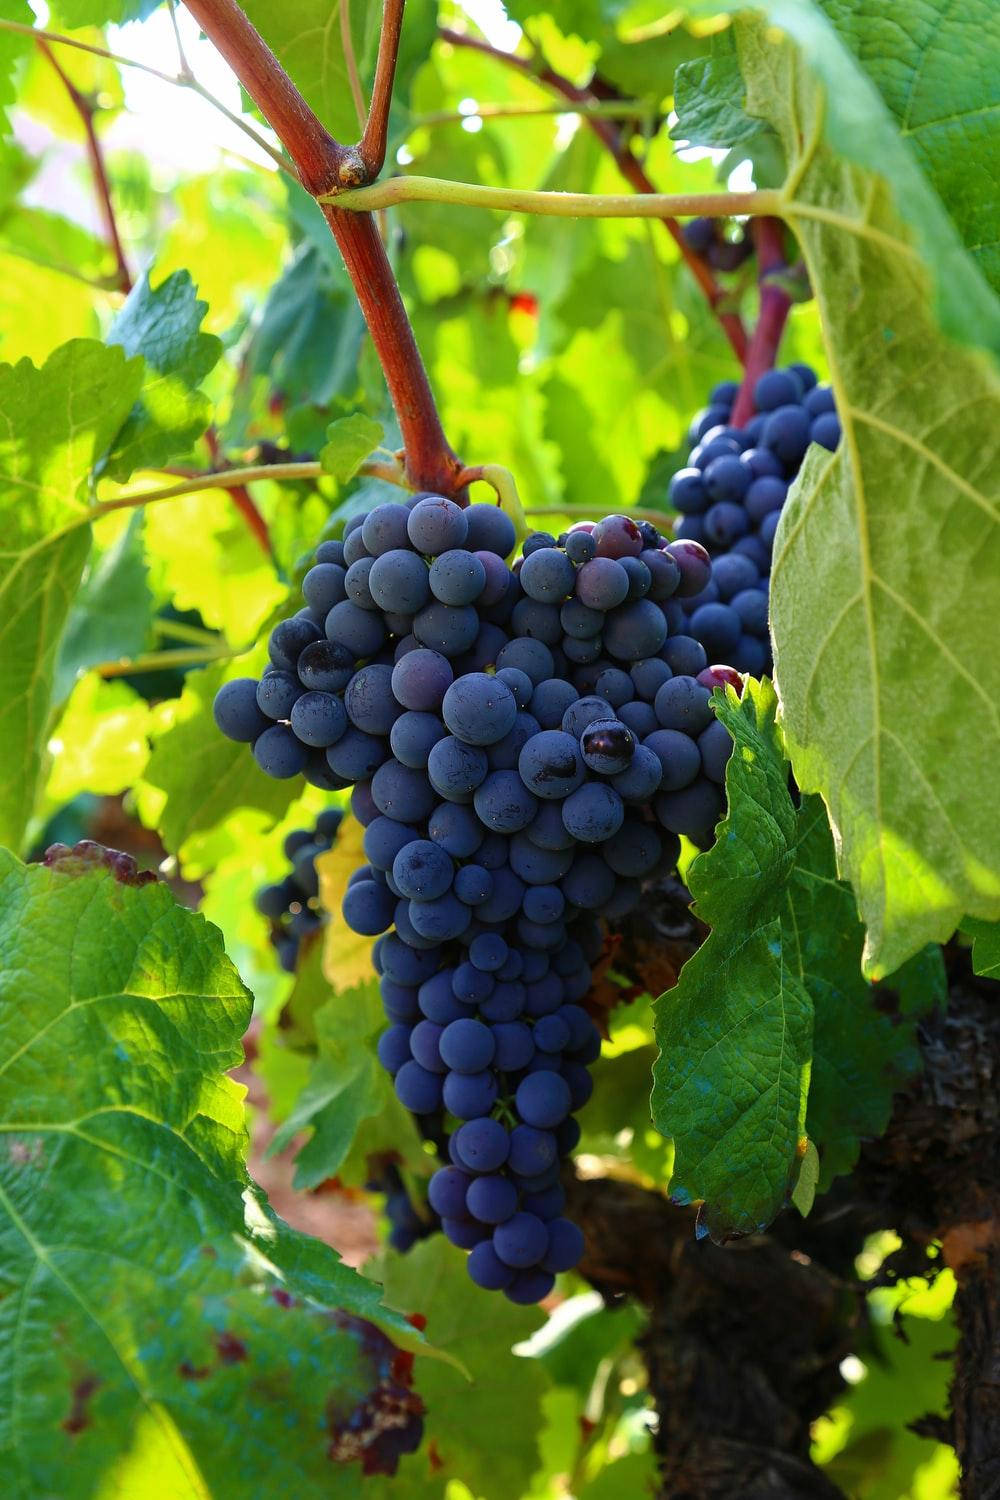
column 347, row 1085
column 154, row 1314
column 937, row 66
column 886, row 562
column 309, row 336
column 985, row 946
column 307, row 36
column 499, row 1395
column 735, row 1034
column 163, row 325
column 824, row 106
column 772, row 1012
column 111, row 616
column 54, row 423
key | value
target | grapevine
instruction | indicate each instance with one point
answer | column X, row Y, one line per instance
column 499, row 885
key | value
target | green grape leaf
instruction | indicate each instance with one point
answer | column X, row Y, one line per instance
column 307, row 36
column 54, row 424
column 345, row 1087
column 860, row 621
column 906, row 1377
column 72, row 14
column 626, row 1477
column 112, row 612
column 735, row 1034
column 862, row 1052
column 771, row 1033
column 12, row 48
column 644, row 66
column 985, row 946
column 201, row 776
column 709, row 99
column 804, row 1191
column 349, row 441
column 584, row 1337
column 937, row 67
column 499, row 1393
column 100, row 743
column 148, row 1292
column 835, row 130
column 164, row 326
column 309, row 336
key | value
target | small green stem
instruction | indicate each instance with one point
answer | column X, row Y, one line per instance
column 562, row 205
column 229, row 479
column 600, row 109
column 177, row 630
column 232, row 479
column 502, row 481
column 155, row 661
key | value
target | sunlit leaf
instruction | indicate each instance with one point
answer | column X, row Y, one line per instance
column 54, row 423
column 143, row 1278
column 164, row 326
column 860, row 620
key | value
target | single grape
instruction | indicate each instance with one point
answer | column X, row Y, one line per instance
column 237, row 712
column 593, row 812
column 523, row 1240
column 487, row 1269
column 479, row 709
column 607, row 745
column 436, row 525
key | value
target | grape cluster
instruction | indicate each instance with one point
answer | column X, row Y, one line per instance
column 525, row 745
column 708, row 238
column 410, row 1222
column 730, row 496
column 292, row 905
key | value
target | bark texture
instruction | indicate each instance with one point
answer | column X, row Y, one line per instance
column 745, row 1340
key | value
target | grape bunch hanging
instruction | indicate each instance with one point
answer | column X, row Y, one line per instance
column 730, row 496
column 525, row 745
column 291, row 905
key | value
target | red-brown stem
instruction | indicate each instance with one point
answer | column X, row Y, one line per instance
column 373, row 137
column 775, row 302
column 323, row 165
column 430, row 463
column 615, row 139
column 85, row 110
column 241, row 497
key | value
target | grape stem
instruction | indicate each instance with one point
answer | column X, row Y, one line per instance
column 157, row 661
column 628, row 164
column 87, row 109
column 372, row 144
column 325, row 166
column 775, row 302
column 234, row 479
column 242, row 498
column 502, row 481
column 416, row 189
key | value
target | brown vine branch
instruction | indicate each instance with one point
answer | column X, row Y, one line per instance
column 86, row 110
column 375, row 134
column 616, row 141
column 324, row 165
column 242, row 498
column 775, row 303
